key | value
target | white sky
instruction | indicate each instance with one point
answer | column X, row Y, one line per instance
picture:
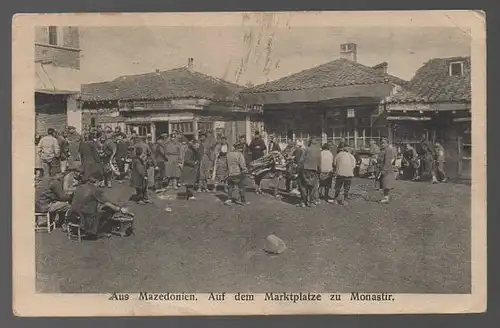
column 258, row 54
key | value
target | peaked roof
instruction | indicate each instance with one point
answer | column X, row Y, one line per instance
column 432, row 83
column 171, row 84
column 340, row 72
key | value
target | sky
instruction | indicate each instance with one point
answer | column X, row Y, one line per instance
column 258, row 54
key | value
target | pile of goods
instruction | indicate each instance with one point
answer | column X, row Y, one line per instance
column 269, row 163
column 122, row 224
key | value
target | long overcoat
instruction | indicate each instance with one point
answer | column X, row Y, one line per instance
column 190, row 168
column 207, row 154
column 173, row 152
column 385, row 158
column 89, row 153
column 137, row 173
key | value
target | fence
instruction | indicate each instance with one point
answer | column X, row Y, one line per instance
column 357, row 143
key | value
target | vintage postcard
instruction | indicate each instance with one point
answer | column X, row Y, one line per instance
column 249, row 163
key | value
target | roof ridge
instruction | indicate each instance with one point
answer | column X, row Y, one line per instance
column 366, row 69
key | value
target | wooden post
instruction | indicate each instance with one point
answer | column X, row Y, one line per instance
column 233, row 132
column 355, row 138
column 459, row 144
column 364, row 138
column 153, row 131
column 389, row 132
column 248, row 129
column 195, row 127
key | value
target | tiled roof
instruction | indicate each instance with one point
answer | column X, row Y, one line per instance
column 172, row 84
column 340, row 72
column 433, row 83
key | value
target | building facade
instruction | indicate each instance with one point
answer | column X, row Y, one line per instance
column 164, row 101
column 437, row 103
column 339, row 99
column 57, row 78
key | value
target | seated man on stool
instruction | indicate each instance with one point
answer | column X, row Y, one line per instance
column 50, row 196
column 94, row 220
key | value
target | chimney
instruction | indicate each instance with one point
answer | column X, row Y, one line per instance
column 190, row 63
column 349, row 51
column 382, row 67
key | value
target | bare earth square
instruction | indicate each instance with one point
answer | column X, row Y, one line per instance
column 419, row 243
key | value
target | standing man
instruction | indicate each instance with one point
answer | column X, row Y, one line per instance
column 374, row 151
column 151, row 164
column 48, row 149
column 74, row 140
column 341, row 144
column 438, row 174
column 411, row 157
column 309, row 173
column 386, row 169
column 242, row 146
column 89, row 154
column 108, row 153
column 236, row 177
column 344, row 166
column 257, row 147
column 63, row 149
column 161, row 159
column 190, row 168
column 207, row 145
column 273, row 145
column 174, row 160
column 122, row 153
column 291, row 165
column 326, row 170
column 333, row 148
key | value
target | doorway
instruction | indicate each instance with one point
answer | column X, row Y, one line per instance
column 161, row 128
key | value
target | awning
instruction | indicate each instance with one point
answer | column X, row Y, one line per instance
column 56, row 92
column 417, row 107
column 462, row 119
column 52, row 79
column 408, row 118
column 378, row 91
column 159, row 117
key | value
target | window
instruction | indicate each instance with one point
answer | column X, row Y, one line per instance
column 141, row 129
column 184, row 127
column 456, row 69
column 92, row 121
column 205, row 126
column 53, row 35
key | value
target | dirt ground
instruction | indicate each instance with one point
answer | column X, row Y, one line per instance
column 419, row 243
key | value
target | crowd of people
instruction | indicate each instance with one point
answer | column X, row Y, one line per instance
column 72, row 170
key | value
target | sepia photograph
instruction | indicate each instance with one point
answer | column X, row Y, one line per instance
column 267, row 159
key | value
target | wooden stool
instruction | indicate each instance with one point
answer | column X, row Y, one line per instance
column 73, row 231
column 51, row 225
